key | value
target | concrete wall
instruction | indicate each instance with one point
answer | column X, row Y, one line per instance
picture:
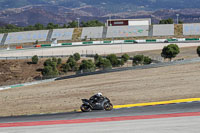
column 62, row 34
column 163, row 30
column 191, row 29
column 127, row 31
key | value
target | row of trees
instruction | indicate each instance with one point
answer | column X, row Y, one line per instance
column 54, row 66
column 13, row 28
column 169, row 21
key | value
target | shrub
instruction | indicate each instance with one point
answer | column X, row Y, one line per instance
column 87, row 66
column 170, row 51
column 147, row 60
column 72, row 63
column 54, row 59
column 113, row 60
column 59, row 61
column 138, row 59
column 103, row 63
column 49, row 71
column 198, row 50
column 125, row 57
column 141, row 59
column 35, row 59
column 121, row 62
column 65, row 67
column 97, row 57
column 47, row 62
column 50, row 68
column 77, row 56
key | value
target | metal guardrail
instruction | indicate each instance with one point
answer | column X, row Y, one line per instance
column 51, row 56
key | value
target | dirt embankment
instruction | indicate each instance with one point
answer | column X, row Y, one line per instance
column 18, row 71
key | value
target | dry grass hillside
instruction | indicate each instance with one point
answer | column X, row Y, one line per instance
column 134, row 86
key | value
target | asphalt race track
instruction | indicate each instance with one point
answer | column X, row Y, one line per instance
column 147, row 120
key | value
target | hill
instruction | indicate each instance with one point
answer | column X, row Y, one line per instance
column 29, row 12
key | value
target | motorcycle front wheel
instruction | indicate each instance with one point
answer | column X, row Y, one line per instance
column 85, row 108
column 108, row 106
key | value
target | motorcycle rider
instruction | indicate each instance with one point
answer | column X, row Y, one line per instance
column 96, row 98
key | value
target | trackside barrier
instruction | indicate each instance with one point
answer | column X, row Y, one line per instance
column 141, row 41
column 56, row 45
column 119, row 42
column 160, row 40
column 129, row 41
column 87, row 42
column 192, row 39
column 154, row 40
column 64, row 44
column 172, row 40
column 38, row 46
column 107, row 42
column 97, row 42
column 19, row 47
column 45, row 45
column 181, row 39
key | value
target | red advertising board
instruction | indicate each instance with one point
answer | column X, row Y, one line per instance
column 117, row 22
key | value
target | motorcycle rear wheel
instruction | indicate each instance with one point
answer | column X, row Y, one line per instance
column 85, row 108
column 108, row 106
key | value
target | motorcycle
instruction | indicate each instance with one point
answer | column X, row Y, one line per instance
column 104, row 104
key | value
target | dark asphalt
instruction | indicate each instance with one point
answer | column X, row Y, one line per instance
column 148, row 110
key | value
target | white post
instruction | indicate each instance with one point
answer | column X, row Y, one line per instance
column 78, row 21
column 177, row 15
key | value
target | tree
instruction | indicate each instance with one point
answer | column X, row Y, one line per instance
column 166, row 21
column 198, row 50
column 113, row 60
column 39, row 26
column 72, row 24
column 91, row 23
column 35, row 59
column 52, row 26
column 180, row 22
column 170, row 51
column 125, row 57
column 64, row 26
column 87, row 66
column 77, row 56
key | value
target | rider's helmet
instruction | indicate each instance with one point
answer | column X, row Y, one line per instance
column 99, row 94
